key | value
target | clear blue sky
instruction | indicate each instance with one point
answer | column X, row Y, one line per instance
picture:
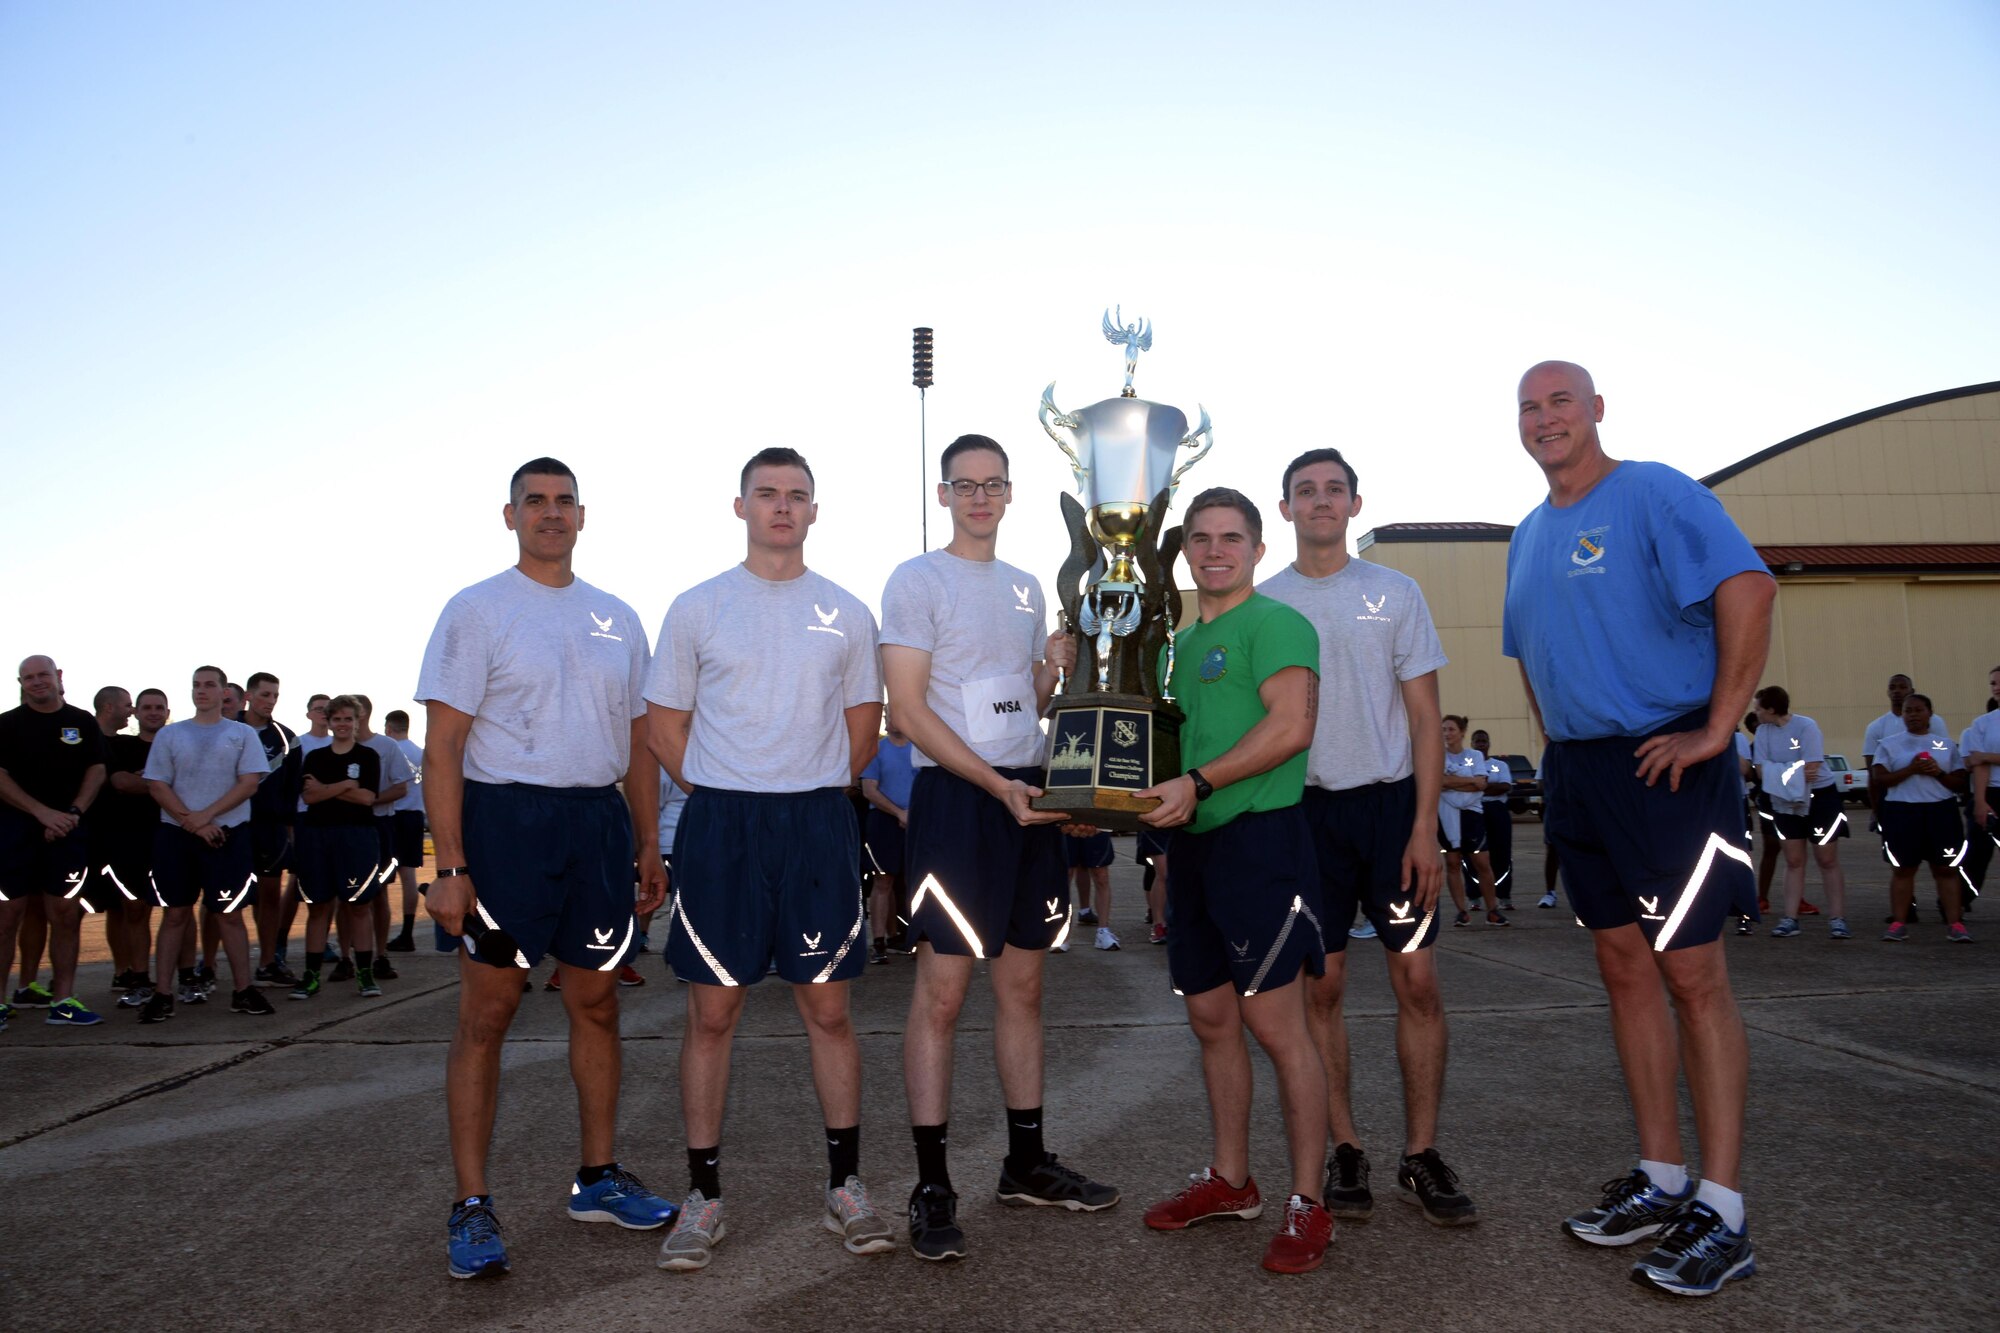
column 287, row 291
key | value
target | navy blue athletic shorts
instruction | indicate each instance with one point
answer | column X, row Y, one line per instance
column 270, row 846
column 186, row 870
column 551, row 866
column 1822, row 822
column 1919, row 831
column 337, row 863
column 1243, row 905
column 32, row 865
column 385, row 840
column 766, row 877
column 883, row 850
column 980, row 880
column 1499, row 823
column 1150, row 843
column 409, row 838
column 1471, row 831
column 1094, row 852
column 118, row 872
column 1358, row 839
column 1673, row 863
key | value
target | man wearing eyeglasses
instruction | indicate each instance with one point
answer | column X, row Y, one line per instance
column 969, row 672
column 531, row 685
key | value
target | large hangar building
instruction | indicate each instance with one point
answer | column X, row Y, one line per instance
column 1882, row 529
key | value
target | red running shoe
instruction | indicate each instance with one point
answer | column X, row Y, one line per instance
column 1300, row 1245
column 1209, row 1196
column 1807, row 909
column 629, row 976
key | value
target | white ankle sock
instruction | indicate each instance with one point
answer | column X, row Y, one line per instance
column 1727, row 1203
column 1670, row 1177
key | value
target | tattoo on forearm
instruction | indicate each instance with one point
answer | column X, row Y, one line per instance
column 1312, row 699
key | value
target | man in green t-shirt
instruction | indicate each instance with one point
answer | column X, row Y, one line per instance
column 1243, row 902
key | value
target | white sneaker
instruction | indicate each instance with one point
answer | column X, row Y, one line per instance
column 1548, row 899
column 696, row 1233
column 1105, row 939
column 851, row 1217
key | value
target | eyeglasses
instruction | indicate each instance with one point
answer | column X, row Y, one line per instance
column 995, row 488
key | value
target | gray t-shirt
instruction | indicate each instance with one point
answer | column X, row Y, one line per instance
column 1983, row 737
column 550, row 677
column 1375, row 632
column 1891, row 724
column 1467, row 763
column 395, row 768
column 202, row 762
column 1795, row 740
column 768, row 670
column 1900, row 748
column 413, row 755
column 982, row 622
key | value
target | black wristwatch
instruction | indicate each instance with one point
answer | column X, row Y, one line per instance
column 451, row 872
column 1202, row 789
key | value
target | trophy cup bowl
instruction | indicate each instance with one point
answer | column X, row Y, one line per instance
column 1112, row 734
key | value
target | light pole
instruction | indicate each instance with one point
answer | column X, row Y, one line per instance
column 920, row 375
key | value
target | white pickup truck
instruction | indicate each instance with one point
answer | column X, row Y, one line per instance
column 1853, row 781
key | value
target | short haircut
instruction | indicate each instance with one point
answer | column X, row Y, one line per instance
column 1776, row 698
column 1223, row 497
column 346, row 701
column 316, row 698
column 966, row 444
column 1459, row 718
column 367, row 704
column 1312, row 456
column 232, row 685
column 105, row 695
column 1925, row 697
column 221, row 678
column 396, row 717
column 775, row 456
column 258, row 678
column 1901, row 675
column 542, row 467
column 1750, row 722
column 150, row 689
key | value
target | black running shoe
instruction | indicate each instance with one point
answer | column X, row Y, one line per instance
column 250, row 1001
column 342, row 971
column 1346, row 1193
column 934, row 1232
column 1633, row 1209
column 1426, row 1181
column 1696, row 1255
column 158, row 1009
column 401, row 944
column 384, row 970
column 1050, row 1184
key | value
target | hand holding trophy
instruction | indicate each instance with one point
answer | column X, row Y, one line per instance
column 1113, row 730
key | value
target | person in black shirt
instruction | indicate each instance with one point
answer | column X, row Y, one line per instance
column 338, row 849
column 51, row 768
column 122, row 823
column 272, row 811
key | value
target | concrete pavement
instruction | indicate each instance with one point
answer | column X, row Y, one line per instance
column 235, row 1173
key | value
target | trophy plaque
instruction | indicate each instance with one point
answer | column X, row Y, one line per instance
column 1113, row 727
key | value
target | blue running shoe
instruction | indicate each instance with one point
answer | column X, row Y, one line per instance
column 473, row 1243
column 6, row 1012
column 1697, row 1255
column 620, row 1198
column 70, row 1013
column 1633, row 1209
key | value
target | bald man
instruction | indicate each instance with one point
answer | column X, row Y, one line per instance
column 1640, row 617
column 51, row 769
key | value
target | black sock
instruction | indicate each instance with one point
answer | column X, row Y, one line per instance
column 843, row 1155
column 409, row 922
column 587, row 1176
column 315, row 959
column 1024, row 1140
column 930, row 1155
column 187, row 976
column 364, row 959
column 704, row 1171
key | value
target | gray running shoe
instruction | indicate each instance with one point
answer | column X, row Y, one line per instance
column 851, row 1217
column 697, row 1231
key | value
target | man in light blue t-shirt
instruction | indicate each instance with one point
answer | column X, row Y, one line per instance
column 1641, row 618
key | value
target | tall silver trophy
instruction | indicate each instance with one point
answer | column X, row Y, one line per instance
column 1114, row 730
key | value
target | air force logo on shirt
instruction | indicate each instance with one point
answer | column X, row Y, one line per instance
column 1589, row 549
column 603, row 630
column 1021, row 596
column 72, row 736
column 1374, row 605
column 1215, row 665
column 826, row 619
